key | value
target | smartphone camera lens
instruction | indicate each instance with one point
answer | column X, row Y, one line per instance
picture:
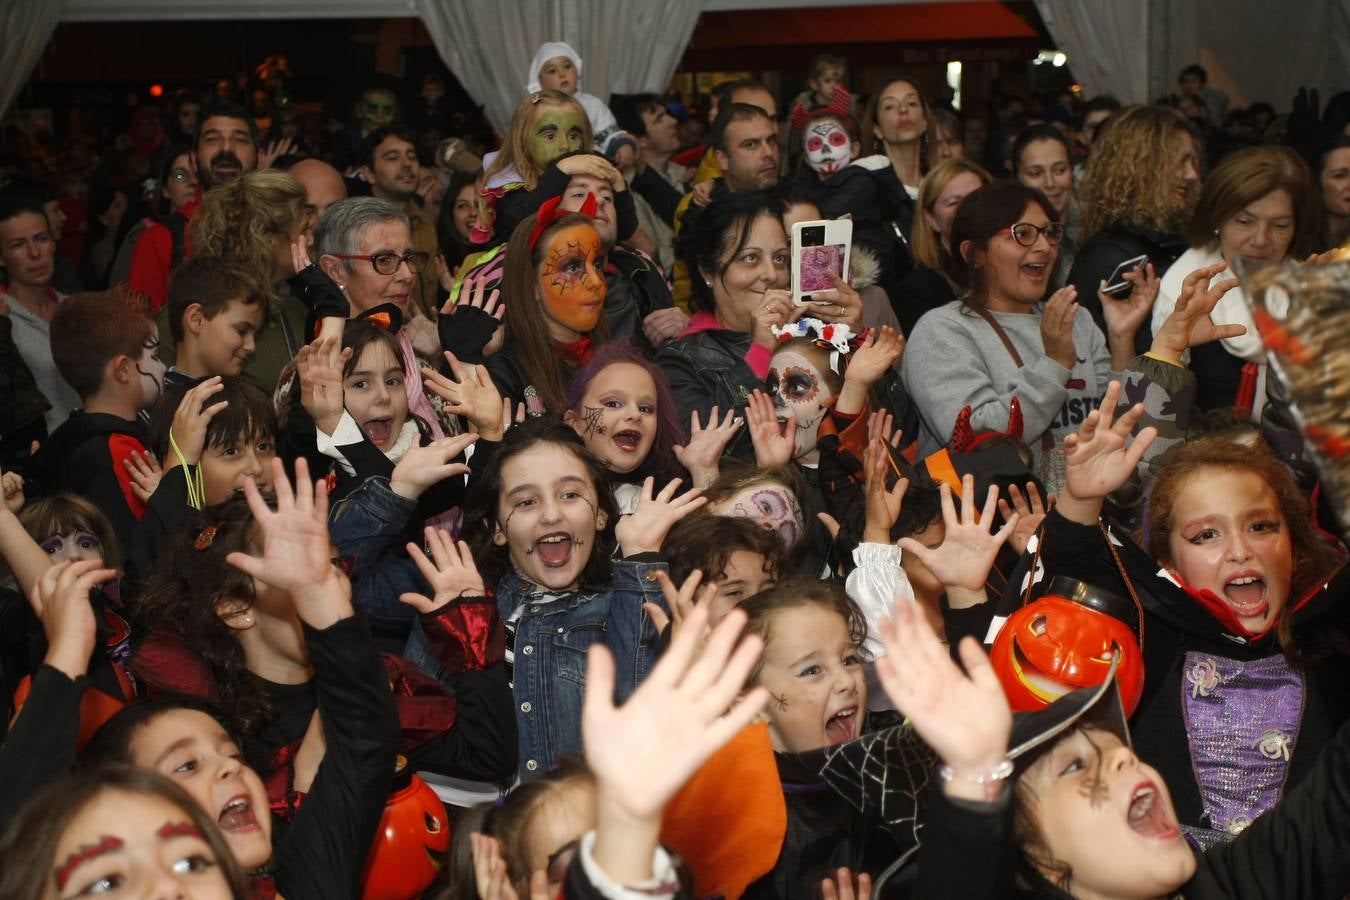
column 813, row 236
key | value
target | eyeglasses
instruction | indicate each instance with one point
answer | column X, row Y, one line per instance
column 387, row 263
column 1026, row 233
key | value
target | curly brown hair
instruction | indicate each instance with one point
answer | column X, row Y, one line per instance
column 1129, row 178
column 240, row 222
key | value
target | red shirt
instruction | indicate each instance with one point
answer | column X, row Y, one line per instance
column 151, row 261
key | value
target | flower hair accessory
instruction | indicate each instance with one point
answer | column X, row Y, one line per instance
column 550, row 213
column 832, row 335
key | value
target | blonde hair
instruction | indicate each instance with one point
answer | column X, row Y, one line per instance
column 241, row 221
column 515, row 149
column 1129, row 177
column 926, row 243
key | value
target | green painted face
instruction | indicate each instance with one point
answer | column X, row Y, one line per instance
column 555, row 131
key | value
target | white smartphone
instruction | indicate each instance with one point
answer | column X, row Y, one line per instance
column 819, row 248
column 1116, row 285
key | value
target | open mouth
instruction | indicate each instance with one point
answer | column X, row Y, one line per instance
column 1036, row 271
column 379, row 430
column 1246, row 595
column 554, row 550
column 628, row 440
column 237, row 816
column 1148, row 815
column 842, row 726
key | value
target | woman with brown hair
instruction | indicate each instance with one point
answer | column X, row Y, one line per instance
column 1258, row 208
column 929, row 284
column 896, row 124
column 1137, row 195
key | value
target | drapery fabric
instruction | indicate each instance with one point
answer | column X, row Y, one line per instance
column 1107, row 42
column 25, row 28
column 625, row 45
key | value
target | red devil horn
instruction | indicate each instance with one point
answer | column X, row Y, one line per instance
column 963, row 436
column 1015, row 420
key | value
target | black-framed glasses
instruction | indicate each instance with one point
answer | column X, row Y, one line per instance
column 1026, row 233
column 387, row 263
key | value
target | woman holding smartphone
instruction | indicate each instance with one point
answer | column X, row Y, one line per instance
column 739, row 259
column 1141, row 184
column 1258, row 208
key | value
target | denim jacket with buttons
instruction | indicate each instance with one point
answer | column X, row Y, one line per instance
column 551, row 641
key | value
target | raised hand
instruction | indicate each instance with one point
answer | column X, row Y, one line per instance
column 11, row 485
column 846, row 886
column 422, row 332
column 1189, row 325
column 471, row 394
column 424, row 467
column 701, row 454
column 1030, row 510
column 1057, row 326
column 1124, row 315
column 883, row 504
column 875, row 356
column 274, row 151
column 145, row 473
column 472, row 328
column 1097, row 461
column 300, row 253
column 645, row 528
column 60, row 600
column 963, row 716
column 319, row 367
column 450, row 572
column 296, row 552
column 881, row 424
column 961, row 562
column 681, row 601
column 191, row 420
column 644, row 751
column 489, row 872
column 774, row 444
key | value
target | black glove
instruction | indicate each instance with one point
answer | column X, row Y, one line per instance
column 465, row 331
column 321, row 297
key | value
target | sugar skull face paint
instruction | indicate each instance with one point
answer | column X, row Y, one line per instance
column 800, row 391
column 571, row 283
column 828, row 147
column 770, row 504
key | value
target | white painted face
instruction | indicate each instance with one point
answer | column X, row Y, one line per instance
column 828, row 147
column 800, row 391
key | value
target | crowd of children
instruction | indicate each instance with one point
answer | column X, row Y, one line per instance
column 558, row 586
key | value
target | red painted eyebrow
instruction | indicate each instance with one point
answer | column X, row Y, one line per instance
column 106, row 844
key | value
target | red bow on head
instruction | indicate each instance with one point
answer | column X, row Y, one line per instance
column 964, row 438
column 550, row 213
column 840, row 106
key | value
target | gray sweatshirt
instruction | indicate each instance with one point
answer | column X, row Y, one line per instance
column 954, row 359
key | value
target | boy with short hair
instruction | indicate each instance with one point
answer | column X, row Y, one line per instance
column 104, row 346
column 213, row 318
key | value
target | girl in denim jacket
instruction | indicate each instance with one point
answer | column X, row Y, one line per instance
column 543, row 525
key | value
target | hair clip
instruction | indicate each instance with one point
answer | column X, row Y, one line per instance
column 536, row 97
column 550, row 213
column 833, row 336
column 206, row 537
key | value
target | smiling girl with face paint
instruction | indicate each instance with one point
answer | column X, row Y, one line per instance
column 543, row 526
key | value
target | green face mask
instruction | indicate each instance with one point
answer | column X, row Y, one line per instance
column 555, row 132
